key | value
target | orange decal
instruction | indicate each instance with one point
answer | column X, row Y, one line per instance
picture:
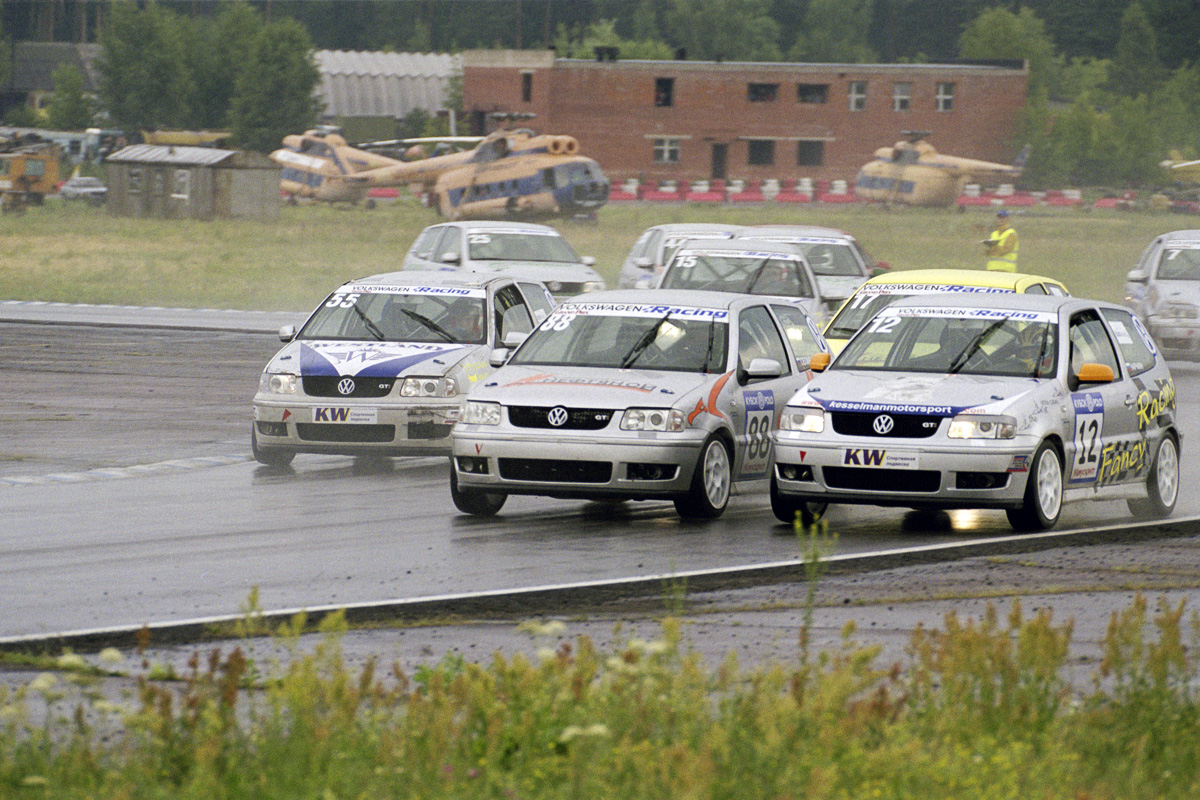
column 697, row 411
column 716, row 390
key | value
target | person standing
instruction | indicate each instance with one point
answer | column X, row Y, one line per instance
column 1001, row 246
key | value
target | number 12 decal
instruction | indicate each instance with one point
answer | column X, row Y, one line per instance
column 1089, row 443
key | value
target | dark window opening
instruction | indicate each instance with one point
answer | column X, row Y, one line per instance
column 812, row 92
column 664, row 91
column 527, row 87
column 810, row 154
column 762, row 92
column 761, row 152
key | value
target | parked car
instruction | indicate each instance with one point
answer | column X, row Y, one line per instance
column 1015, row 402
column 82, row 187
column 1163, row 289
column 636, row 395
column 658, row 243
column 748, row 267
column 883, row 290
column 383, row 364
column 837, row 259
column 516, row 249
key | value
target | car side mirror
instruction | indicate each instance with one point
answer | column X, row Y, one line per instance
column 588, row 261
column 499, row 356
column 819, row 362
column 761, row 369
column 287, row 333
column 513, row 339
column 451, row 258
column 642, row 262
column 1093, row 373
column 1137, row 276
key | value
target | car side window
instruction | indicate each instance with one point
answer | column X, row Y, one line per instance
column 642, row 246
column 1090, row 343
column 1035, row 288
column 540, row 301
column 759, row 338
column 1134, row 350
column 449, row 243
column 1056, row 290
column 801, row 333
column 512, row 315
column 423, row 246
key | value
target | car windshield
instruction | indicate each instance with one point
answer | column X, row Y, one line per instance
column 826, row 255
column 739, row 272
column 630, row 337
column 400, row 314
column 870, row 300
column 968, row 341
column 673, row 243
column 1179, row 264
column 498, row 245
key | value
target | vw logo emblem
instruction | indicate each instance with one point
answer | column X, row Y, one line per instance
column 883, row 424
column 557, row 416
column 346, row 386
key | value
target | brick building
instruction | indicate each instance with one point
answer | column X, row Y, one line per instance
column 691, row 120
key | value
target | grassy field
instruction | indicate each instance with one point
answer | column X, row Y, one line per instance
column 69, row 252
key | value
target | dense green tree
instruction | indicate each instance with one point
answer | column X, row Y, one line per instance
column 835, row 31
column 144, row 82
column 69, row 108
column 739, row 30
column 999, row 33
column 1080, row 30
column 273, row 95
column 574, row 43
column 1135, row 68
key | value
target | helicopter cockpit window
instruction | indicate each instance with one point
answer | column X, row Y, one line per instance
column 905, row 155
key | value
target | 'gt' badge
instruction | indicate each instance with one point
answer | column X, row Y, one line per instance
column 557, row 416
column 883, row 424
column 346, row 386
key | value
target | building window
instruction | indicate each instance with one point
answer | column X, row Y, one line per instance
column 762, row 92
column 945, row 97
column 858, row 95
column 812, row 92
column 527, row 86
column 135, row 180
column 666, row 151
column 761, row 152
column 664, row 91
column 901, row 96
column 183, row 184
column 810, row 153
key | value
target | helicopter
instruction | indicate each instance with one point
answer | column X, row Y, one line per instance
column 509, row 174
column 913, row 172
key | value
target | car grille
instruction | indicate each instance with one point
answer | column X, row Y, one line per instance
column 904, row 426
column 366, row 434
column 886, row 480
column 428, row 430
column 578, row 419
column 555, row 471
column 327, row 386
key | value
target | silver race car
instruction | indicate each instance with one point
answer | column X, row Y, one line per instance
column 1014, row 402
column 383, row 365
column 1163, row 289
column 636, row 394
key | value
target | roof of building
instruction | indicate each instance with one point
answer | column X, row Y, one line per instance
column 375, row 84
column 181, row 155
column 34, row 64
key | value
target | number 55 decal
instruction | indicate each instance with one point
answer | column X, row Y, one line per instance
column 1089, row 425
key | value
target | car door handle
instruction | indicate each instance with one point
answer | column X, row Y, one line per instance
column 1130, row 400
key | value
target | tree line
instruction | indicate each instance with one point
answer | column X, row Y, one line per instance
column 1112, row 91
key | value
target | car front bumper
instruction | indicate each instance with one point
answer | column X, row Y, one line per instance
column 1176, row 338
column 975, row 474
column 322, row 425
column 585, row 464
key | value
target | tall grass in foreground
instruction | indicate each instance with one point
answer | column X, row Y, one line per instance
column 980, row 712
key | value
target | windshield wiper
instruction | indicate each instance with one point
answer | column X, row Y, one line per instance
column 430, row 324
column 708, row 354
column 372, row 328
column 961, row 360
column 757, row 274
column 641, row 344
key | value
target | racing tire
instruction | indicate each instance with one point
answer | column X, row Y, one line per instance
column 1043, row 493
column 1162, row 484
column 271, row 457
column 711, row 483
column 477, row 504
column 786, row 508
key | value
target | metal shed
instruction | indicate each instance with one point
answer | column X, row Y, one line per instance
column 192, row 183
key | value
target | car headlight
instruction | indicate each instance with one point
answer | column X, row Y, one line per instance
column 477, row 413
column 1180, row 311
column 978, row 426
column 806, row 420
column 652, row 419
column 277, row 383
column 429, row 387
column 593, row 286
